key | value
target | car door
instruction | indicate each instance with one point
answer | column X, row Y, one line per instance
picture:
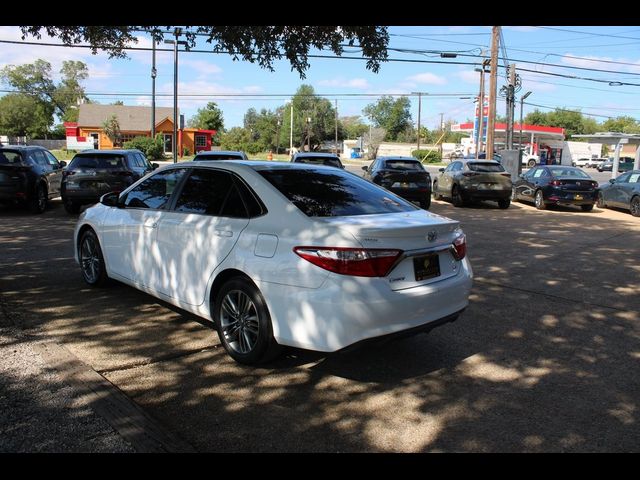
column 55, row 174
column 448, row 178
column 197, row 234
column 619, row 193
column 129, row 231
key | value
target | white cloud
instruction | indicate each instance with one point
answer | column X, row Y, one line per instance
column 345, row 83
column 592, row 61
column 427, row 78
column 200, row 87
column 469, row 76
column 202, row 67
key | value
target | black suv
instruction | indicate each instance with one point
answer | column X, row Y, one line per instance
column 221, row 155
column 92, row 173
column 404, row 176
column 30, row 175
column 316, row 158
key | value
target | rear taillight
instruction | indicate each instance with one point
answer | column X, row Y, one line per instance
column 556, row 183
column 469, row 174
column 66, row 173
column 506, row 174
column 359, row 262
column 594, row 184
column 459, row 247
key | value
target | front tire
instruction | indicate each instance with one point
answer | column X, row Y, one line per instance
column 426, row 202
column 91, row 260
column 634, row 206
column 456, row 195
column 38, row 203
column 539, row 200
column 243, row 323
column 600, row 202
column 504, row 203
column 531, row 163
column 436, row 195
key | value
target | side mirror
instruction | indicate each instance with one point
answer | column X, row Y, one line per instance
column 110, row 199
column 155, row 165
column 62, row 163
column 365, row 168
column 441, row 169
column 612, row 180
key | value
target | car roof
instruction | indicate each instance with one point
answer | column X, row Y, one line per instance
column 257, row 165
column 120, row 151
column 21, row 147
column 398, row 157
column 221, row 152
column 315, row 154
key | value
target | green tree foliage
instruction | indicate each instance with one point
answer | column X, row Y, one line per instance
column 623, row 124
column 208, row 118
column 353, row 127
column 239, row 138
column 573, row 122
column 256, row 44
column 307, row 105
column 111, row 128
column 153, row 148
column 24, row 115
column 392, row 115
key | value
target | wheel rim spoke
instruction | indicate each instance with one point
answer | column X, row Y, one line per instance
column 239, row 322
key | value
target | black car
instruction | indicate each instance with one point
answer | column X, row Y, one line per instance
column 221, row 155
column 29, row 175
column 465, row 181
column 92, row 173
column 556, row 185
column 404, row 176
column 314, row 158
column 625, row 164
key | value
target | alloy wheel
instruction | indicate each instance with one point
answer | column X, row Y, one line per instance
column 90, row 259
column 239, row 321
column 634, row 207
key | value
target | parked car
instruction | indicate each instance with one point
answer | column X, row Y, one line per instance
column 467, row 180
column 529, row 160
column 622, row 192
column 556, row 185
column 278, row 254
column 92, row 173
column 221, row 155
column 404, row 176
column 581, row 162
column 314, row 158
column 29, row 175
column 594, row 162
column 625, row 164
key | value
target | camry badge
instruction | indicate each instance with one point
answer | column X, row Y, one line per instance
column 432, row 235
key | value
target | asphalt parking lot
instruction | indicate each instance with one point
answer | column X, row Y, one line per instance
column 543, row 359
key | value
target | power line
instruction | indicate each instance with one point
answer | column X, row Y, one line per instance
column 567, row 110
column 589, row 33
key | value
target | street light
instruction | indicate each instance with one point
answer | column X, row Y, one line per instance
column 177, row 32
column 522, row 99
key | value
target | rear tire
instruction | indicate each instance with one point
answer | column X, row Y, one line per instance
column 91, row 260
column 531, row 163
column 586, row 208
column 38, row 203
column 243, row 323
column 600, row 202
column 504, row 203
column 539, row 200
column 425, row 203
column 436, row 195
column 634, row 206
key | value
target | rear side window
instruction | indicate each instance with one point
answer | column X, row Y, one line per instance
column 155, row 191
column 403, row 165
column 321, row 193
column 210, row 192
column 92, row 162
column 8, row 157
column 485, row 167
column 218, row 157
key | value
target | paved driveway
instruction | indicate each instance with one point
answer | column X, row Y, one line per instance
column 544, row 359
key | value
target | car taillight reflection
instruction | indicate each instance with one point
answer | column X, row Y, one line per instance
column 360, row 262
column 459, row 247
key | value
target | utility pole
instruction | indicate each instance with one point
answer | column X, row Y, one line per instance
column 493, row 86
column 177, row 32
column 154, row 73
column 291, row 131
column 522, row 99
column 510, row 104
column 480, row 110
column 419, row 111
column 336, row 144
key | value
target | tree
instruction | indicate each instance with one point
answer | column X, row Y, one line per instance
column 111, row 128
column 256, row 44
column 23, row 115
column 208, row 118
column 239, row 138
column 622, row 124
column 573, row 122
column 392, row 115
column 353, row 126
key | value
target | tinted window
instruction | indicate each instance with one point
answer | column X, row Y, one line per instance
column 39, row 158
column 568, row 172
column 98, row 161
column 155, row 191
column 329, row 161
column 142, row 161
column 623, row 178
column 9, row 157
column 319, row 193
column 485, row 167
column 220, row 156
column 634, row 178
column 207, row 192
column 50, row 157
column 403, row 165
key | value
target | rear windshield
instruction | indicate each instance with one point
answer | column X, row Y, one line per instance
column 403, row 165
column 221, row 156
column 97, row 162
column 329, row 161
column 485, row 167
column 9, row 157
column 568, row 172
column 322, row 193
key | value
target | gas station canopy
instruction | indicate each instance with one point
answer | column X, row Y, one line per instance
column 618, row 139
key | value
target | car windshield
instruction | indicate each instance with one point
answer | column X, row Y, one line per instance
column 10, row 157
column 403, row 165
column 330, row 161
column 485, row 167
column 219, row 156
column 568, row 172
column 322, row 193
column 97, row 161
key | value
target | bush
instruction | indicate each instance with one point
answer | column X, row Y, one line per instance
column 427, row 156
column 152, row 148
column 185, row 151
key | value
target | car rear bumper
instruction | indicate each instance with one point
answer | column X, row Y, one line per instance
column 347, row 310
column 486, row 194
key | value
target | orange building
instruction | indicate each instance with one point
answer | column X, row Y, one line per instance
column 88, row 132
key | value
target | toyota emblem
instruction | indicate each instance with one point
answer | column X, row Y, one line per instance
column 432, row 235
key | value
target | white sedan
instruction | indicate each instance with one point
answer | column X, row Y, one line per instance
column 278, row 254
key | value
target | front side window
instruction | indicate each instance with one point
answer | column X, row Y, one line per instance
column 321, row 193
column 155, row 191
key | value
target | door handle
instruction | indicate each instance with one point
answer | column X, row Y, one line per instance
column 151, row 225
column 223, row 233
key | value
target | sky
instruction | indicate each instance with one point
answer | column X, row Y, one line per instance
column 237, row 85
